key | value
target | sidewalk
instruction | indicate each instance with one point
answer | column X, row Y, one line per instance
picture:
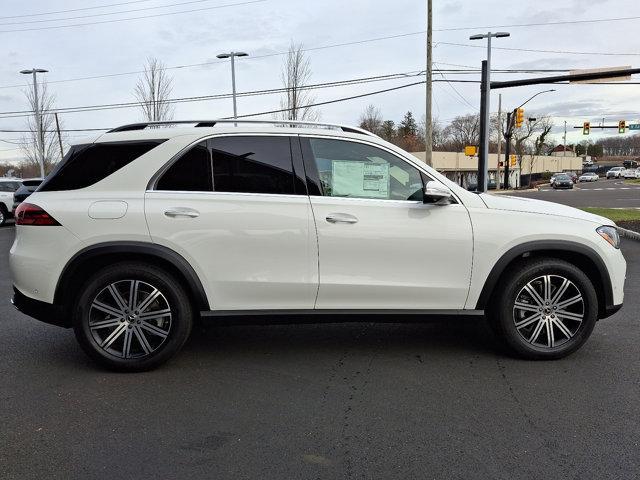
column 507, row 192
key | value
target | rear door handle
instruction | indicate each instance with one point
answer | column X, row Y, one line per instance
column 341, row 218
column 181, row 212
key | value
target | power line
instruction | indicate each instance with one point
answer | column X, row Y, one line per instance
column 216, row 62
column 93, row 15
column 564, row 52
column 456, row 90
column 337, row 100
column 538, row 24
column 75, row 9
column 317, row 104
column 101, row 22
column 340, row 83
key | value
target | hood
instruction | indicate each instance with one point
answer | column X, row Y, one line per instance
column 528, row 205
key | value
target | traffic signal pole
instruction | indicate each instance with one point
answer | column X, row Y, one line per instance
column 507, row 149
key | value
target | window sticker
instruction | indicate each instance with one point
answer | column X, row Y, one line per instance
column 360, row 179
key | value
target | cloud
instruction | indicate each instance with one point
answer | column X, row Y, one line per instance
column 450, row 8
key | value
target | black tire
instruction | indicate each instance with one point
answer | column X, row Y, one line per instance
column 148, row 348
column 503, row 313
column 3, row 214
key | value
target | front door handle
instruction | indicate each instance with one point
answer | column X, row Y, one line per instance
column 182, row 212
column 341, row 218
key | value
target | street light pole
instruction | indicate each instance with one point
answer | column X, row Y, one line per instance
column 232, row 56
column 483, row 158
column 38, row 116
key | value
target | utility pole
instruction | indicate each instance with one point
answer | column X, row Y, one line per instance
column 499, row 141
column 59, row 136
column 483, row 164
column 38, row 117
column 485, row 109
column 232, row 56
column 428, row 141
column 564, row 145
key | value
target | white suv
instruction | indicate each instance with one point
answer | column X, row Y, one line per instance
column 8, row 186
column 135, row 236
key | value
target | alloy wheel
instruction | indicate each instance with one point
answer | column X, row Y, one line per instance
column 548, row 311
column 130, row 319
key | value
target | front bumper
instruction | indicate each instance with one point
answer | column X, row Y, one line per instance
column 45, row 312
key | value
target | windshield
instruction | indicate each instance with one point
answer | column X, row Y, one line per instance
column 9, row 186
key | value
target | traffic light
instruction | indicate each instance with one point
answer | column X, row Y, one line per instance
column 519, row 117
column 622, row 126
column 586, row 127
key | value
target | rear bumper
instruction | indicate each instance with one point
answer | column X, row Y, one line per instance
column 45, row 312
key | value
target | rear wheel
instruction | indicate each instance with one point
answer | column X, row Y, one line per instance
column 547, row 310
column 3, row 215
column 132, row 317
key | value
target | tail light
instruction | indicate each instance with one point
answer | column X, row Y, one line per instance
column 30, row 214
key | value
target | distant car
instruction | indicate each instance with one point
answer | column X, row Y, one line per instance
column 27, row 188
column 563, row 181
column 588, row 177
column 629, row 173
column 552, row 180
column 491, row 185
column 573, row 176
column 615, row 172
column 7, row 187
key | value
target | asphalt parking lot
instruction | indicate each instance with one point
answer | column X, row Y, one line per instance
column 323, row 401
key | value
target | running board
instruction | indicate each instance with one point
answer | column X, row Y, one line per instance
column 336, row 316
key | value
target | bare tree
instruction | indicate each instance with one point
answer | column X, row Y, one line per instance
column 463, row 131
column 153, row 91
column 371, row 119
column 531, row 139
column 296, row 73
column 29, row 142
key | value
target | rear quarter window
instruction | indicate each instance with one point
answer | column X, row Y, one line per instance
column 85, row 165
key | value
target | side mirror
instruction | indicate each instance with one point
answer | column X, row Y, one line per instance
column 435, row 193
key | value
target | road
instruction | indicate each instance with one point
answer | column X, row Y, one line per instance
column 603, row 193
column 331, row 401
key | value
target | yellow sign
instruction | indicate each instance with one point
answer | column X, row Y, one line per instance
column 513, row 161
column 470, row 151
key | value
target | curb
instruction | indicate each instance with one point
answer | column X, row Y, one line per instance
column 630, row 234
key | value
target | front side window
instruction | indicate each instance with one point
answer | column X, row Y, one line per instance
column 190, row 173
column 252, row 165
column 357, row 170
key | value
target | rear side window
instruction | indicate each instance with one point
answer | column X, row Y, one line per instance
column 190, row 173
column 252, row 165
column 85, row 165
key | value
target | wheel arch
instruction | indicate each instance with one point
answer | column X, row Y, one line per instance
column 580, row 255
column 88, row 260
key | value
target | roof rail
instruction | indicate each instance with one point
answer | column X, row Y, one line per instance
column 213, row 123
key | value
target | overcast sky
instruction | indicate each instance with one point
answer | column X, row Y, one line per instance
column 268, row 27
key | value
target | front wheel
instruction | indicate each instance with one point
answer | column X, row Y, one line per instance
column 3, row 215
column 547, row 310
column 132, row 317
